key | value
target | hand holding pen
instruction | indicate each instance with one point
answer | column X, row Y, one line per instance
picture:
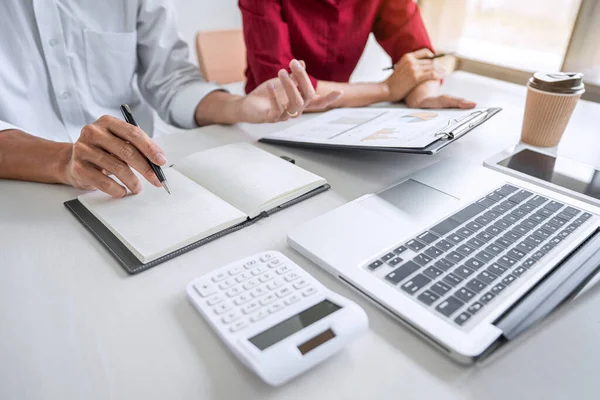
column 433, row 57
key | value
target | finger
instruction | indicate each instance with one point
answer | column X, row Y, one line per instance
column 303, row 64
column 90, row 176
column 424, row 61
column 127, row 152
column 295, row 101
column 322, row 102
column 104, row 161
column 455, row 102
column 428, row 75
column 307, row 90
column 277, row 110
column 423, row 53
column 135, row 136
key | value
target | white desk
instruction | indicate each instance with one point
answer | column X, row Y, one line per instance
column 74, row 325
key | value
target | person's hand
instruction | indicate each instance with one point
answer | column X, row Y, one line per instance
column 111, row 146
column 284, row 97
column 441, row 101
column 412, row 69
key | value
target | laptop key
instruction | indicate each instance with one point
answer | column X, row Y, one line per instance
column 491, row 214
column 509, row 188
column 571, row 210
column 464, row 232
column 553, row 206
column 475, row 243
column 474, row 264
column 463, row 272
column 493, row 230
column 467, row 213
column 486, row 298
column 432, row 272
column 388, row 257
column 497, row 269
column 520, row 270
column 443, row 264
column 484, row 256
column 400, row 250
column 484, row 236
column 586, row 216
column 520, row 212
column 449, row 306
column 445, row 226
column 537, row 218
column 465, row 250
column 486, row 277
column 515, row 254
column 520, row 230
column 502, row 224
column 427, row 237
column 512, row 236
column 525, row 247
column 462, row 318
column 511, row 219
column 455, row 238
column 543, row 235
column 395, row 261
column 403, row 272
column 564, row 215
column 495, row 197
column 530, row 223
column 475, row 307
column 537, row 201
column 506, row 261
column 415, row 284
column 533, row 240
column 502, row 192
column 520, row 196
column 375, row 264
column 422, row 259
column 455, row 257
column 428, row 297
column 474, row 226
column 440, row 288
column 433, row 252
column 486, row 203
column 508, row 204
column 475, row 286
column 538, row 255
column 452, row 279
column 500, row 209
column 498, row 288
column 510, row 278
column 464, row 294
column 494, row 249
column 481, row 220
column 549, row 228
column 504, row 242
column 415, row 245
column 559, row 222
column 444, row 245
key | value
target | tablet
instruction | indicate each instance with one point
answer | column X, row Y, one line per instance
column 563, row 175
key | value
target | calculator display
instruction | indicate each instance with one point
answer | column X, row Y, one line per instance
column 294, row 324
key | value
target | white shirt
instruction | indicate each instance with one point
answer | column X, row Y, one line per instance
column 65, row 63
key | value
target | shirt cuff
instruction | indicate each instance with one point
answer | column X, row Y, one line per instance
column 6, row 126
column 184, row 103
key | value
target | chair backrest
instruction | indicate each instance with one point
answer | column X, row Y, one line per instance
column 221, row 55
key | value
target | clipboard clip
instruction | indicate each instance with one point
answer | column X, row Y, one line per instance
column 450, row 132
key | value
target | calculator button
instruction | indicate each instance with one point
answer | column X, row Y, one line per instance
column 259, row 291
column 251, row 264
column 292, row 299
column 235, row 270
column 205, row 289
column 300, row 284
column 284, row 269
column 258, row 270
column 275, row 307
column 310, row 291
column 266, row 258
column 234, row 291
column 291, row 276
column 230, row 317
column 242, row 277
column 220, row 276
column 227, row 284
column 284, row 291
column 250, row 307
column 251, row 284
column 238, row 325
column 268, row 299
column 275, row 263
column 267, row 276
column 260, row 314
column 275, row 284
column 242, row 299
column 214, row 300
column 223, row 307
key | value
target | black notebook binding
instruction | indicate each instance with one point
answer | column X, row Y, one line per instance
column 131, row 263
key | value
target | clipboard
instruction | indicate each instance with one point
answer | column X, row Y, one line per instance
column 445, row 136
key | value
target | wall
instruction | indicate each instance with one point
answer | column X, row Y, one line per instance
column 195, row 15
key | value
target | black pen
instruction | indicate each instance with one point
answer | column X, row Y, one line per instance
column 157, row 170
column 426, row 58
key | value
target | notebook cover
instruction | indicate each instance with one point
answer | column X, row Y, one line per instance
column 431, row 149
column 131, row 263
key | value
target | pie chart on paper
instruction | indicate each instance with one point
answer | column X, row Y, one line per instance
column 421, row 116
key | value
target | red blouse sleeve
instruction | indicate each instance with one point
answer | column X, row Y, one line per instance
column 399, row 28
column 267, row 39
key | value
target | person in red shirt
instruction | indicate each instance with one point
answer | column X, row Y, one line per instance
column 330, row 37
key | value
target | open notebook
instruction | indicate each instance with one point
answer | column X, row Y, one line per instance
column 212, row 191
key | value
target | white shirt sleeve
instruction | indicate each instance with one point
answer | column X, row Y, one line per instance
column 6, row 126
column 167, row 79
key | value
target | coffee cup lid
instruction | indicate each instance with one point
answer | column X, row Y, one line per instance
column 558, row 82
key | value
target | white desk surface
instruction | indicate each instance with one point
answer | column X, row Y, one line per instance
column 74, row 325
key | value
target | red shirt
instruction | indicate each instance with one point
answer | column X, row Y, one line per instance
column 329, row 35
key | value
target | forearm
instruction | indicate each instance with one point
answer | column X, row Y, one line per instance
column 422, row 91
column 355, row 94
column 29, row 158
column 218, row 108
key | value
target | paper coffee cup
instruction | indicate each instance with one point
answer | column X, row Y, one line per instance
column 551, row 99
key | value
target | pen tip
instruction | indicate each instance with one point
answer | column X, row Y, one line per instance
column 166, row 187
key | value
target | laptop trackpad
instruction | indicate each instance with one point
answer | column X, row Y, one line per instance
column 412, row 202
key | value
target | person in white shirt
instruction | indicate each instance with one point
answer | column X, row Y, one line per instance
column 67, row 62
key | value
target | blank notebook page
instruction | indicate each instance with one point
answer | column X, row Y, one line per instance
column 246, row 176
column 153, row 223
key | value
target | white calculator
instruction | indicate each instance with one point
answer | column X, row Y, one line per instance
column 276, row 318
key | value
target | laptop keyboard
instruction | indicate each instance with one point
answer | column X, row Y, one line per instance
column 460, row 265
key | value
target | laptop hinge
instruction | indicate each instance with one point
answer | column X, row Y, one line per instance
column 557, row 288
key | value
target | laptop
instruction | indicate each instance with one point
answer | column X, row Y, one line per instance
column 467, row 257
